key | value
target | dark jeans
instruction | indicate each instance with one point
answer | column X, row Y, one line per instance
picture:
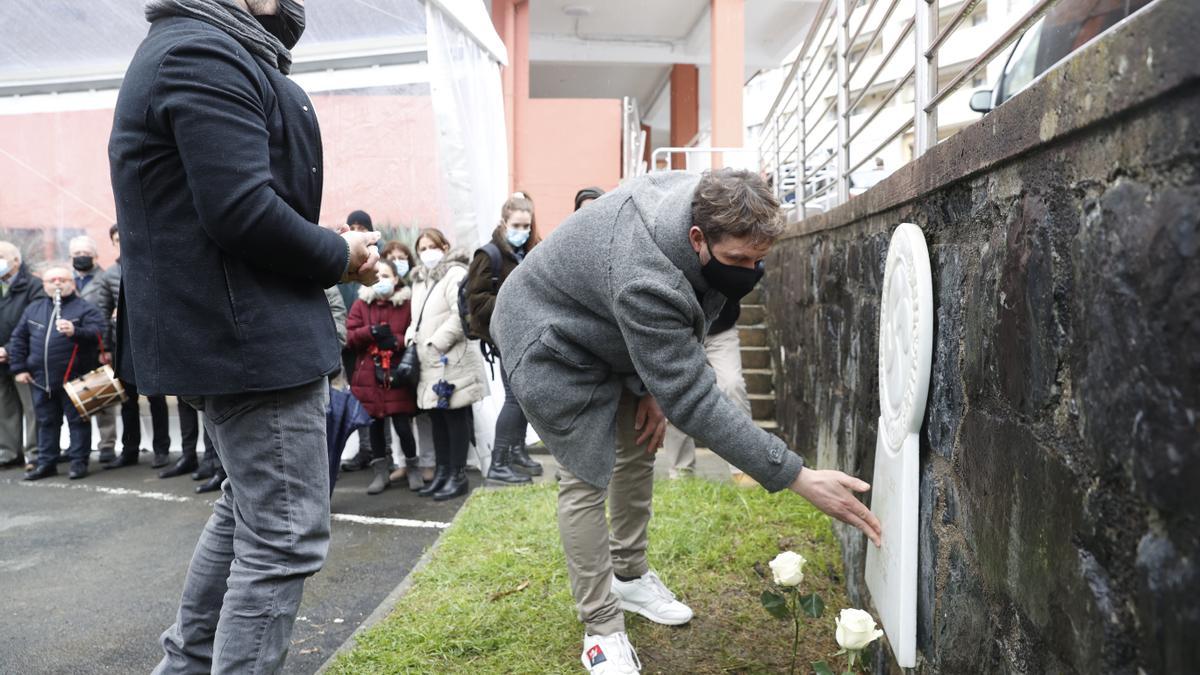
column 50, row 409
column 189, row 432
column 269, row 531
column 511, row 423
column 403, row 426
column 451, row 436
column 131, row 422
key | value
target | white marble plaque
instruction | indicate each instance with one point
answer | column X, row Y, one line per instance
column 905, row 353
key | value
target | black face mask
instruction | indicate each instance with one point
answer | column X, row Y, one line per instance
column 731, row 281
column 287, row 25
column 82, row 263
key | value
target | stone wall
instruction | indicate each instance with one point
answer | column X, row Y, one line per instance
column 1060, row 454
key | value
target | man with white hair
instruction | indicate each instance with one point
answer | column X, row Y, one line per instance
column 18, row 288
column 83, row 252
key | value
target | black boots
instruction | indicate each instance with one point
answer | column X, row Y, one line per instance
column 161, row 459
column 107, row 455
column 381, row 481
column 440, row 475
column 126, row 458
column 500, row 470
column 185, row 465
column 212, row 484
column 208, row 467
column 455, row 486
column 358, row 462
column 521, row 461
column 42, row 471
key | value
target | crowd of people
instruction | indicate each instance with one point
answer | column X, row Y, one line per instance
column 437, row 301
column 57, row 324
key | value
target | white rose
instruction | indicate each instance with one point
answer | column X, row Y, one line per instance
column 856, row 629
column 788, row 568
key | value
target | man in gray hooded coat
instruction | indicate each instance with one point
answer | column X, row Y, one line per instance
column 603, row 324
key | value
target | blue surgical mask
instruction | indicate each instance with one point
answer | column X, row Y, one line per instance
column 383, row 288
column 516, row 237
column 402, row 267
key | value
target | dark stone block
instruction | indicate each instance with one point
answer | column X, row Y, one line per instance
column 1167, row 612
column 945, row 405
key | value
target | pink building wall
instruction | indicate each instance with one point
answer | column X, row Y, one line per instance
column 380, row 156
column 564, row 145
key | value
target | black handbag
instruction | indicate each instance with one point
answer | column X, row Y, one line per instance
column 409, row 367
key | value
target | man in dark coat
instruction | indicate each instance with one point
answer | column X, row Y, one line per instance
column 216, row 168
column 54, row 343
column 18, row 288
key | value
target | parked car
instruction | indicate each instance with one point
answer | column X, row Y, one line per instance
column 1066, row 27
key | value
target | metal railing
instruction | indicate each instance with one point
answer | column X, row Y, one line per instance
column 702, row 158
column 824, row 124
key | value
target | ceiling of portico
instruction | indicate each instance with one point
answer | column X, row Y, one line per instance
column 616, row 48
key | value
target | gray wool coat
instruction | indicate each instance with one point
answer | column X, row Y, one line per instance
column 615, row 300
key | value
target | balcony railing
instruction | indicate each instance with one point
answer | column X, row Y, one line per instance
column 813, row 156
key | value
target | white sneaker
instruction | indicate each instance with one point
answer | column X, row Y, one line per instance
column 650, row 598
column 609, row 655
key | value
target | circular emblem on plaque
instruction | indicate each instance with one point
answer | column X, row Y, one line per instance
column 905, row 335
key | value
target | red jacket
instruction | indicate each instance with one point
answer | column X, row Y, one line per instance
column 369, row 311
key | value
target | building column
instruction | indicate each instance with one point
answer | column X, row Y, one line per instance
column 685, row 109
column 728, row 71
column 511, row 19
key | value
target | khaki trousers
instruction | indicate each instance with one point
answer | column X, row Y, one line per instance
column 595, row 547
column 724, row 351
column 106, row 426
column 12, row 416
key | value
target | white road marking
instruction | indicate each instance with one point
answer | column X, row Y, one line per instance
column 394, row 522
column 165, row 497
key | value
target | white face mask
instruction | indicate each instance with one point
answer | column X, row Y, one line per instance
column 430, row 257
column 402, row 267
column 5, row 266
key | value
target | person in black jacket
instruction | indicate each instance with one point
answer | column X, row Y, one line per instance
column 53, row 343
column 216, row 167
column 18, row 288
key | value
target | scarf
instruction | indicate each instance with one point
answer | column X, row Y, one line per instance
column 229, row 16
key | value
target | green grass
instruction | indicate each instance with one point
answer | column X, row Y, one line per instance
column 495, row 599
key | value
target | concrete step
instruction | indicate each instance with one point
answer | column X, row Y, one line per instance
column 752, row 315
column 756, row 357
column 759, row 380
column 753, row 336
column 771, row 426
column 762, row 406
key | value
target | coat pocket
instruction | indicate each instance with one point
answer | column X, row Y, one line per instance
column 556, row 381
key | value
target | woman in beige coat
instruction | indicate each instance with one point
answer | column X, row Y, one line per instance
column 452, row 375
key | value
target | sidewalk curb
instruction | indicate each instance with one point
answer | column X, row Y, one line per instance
column 389, row 603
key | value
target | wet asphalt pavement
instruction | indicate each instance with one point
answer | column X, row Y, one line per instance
column 91, row 570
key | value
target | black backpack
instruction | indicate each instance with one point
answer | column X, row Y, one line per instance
column 464, row 312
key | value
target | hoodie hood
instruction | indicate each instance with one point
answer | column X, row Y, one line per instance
column 402, row 295
column 456, row 256
column 664, row 202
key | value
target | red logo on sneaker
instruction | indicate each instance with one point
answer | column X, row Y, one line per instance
column 596, row 655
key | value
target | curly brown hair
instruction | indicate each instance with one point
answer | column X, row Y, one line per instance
column 736, row 203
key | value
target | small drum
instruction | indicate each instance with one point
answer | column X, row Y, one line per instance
column 95, row 391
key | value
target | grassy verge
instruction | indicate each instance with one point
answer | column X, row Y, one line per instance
column 495, row 598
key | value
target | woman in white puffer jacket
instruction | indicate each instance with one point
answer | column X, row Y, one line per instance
column 452, row 371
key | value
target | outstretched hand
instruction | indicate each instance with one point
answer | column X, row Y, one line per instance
column 833, row 493
column 652, row 424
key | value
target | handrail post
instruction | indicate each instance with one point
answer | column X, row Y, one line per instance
column 843, row 102
column 926, row 77
column 802, row 144
column 778, row 167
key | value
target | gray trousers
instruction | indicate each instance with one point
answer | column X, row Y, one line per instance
column 269, row 531
column 18, row 426
column 593, row 551
column 724, row 352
